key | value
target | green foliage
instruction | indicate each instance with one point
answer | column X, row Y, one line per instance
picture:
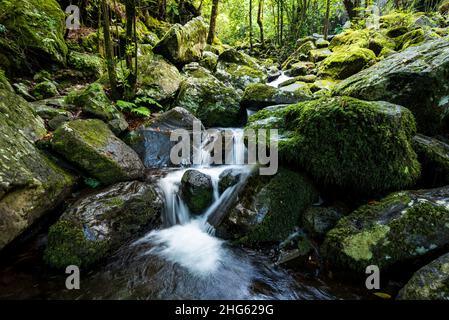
column 133, row 108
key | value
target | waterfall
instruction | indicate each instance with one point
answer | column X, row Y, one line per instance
column 282, row 78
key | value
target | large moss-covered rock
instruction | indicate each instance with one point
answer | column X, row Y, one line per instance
column 300, row 54
column 157, row 78
column 197, row 191
column 4, row 83
column 30, row 183
column 94, row 102
column 431, row 282
column 184, row 44
column 90, row 65
column 152, row 141
column 45, row 89
column 269, row 208
column 258, row 96
column 34, row 34
column 416, row 78
column 99, row 223
column 433, row 155
column 90, row 145
column 402, row 227
column 356, row 145
column 358, row 38
column 17, row 113
column 343, row 64
column 239, row 70
column 209, row 99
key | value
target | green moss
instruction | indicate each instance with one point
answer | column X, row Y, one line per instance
column 67, row 245
column 281, row 201
column 44, row 90
column 4, row 83
column 344, row 63
column 91, row 65
column 357, row 38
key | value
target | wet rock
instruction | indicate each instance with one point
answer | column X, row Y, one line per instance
column 273, row 74
column 268, row 208
column 402, row 227
column 319, row 220
column 35, row 28
column 318, row 55
column 310, row 78
column 209, row 99
column 152, row 140
column 239, row 70
column 228, row 178
column 431, row 282
column 433, row 155
column 300, row 68
column 300, row 54
column 92, row 146
column 259, row 96
column 22, row 90
column 157, row 78
column 368, row 131
column 58, row 120
column 99, row 223
column 416, row 78
column 321, row 43
column 30, row 183
column 196, row 190
column 184, row 44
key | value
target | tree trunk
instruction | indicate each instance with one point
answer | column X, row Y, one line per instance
column 326, row 20
column 162, row 9
column 109, row 51
column 213, row 22
column 260, row 22
column 282, row 23
column 130, row 14
column 350, row 8
column 251, row 24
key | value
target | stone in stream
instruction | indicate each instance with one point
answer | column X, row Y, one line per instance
column 273, row 73
column 405, row 227
column 99, row 223
column 157, row 78
column 431, row 282
column 152, row 142
column 433, row 155
column 238, row 69
column 228, row 178
column 300, row 54
column 319, row 220
column 268, row 208
column 44, row 90
column 318, row 55
column 197, row 191
column 362, row 147
column 35, row 28
column 209, row 99
column 258, row 96
column 184, row 44
column 416, row 78
column 301, row 68
column 93, row 147
column 30, row 183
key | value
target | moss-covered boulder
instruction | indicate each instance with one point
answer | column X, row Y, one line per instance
column 184, row 44
column 209, row 99
column 44, row 90
column 94, row 102
column 431, row 282
column 318, row 55
column 34, row 35
column 209, row 61
column 197, row 191
column 318, row 220
column 402, row 227
column 268, row 208
column 258, row 96
column 157, row 78
column 358, row 38
column 92, row 146
column 356, row 145
column 99, row 223
column 300, row 54
column 92, row 66
column 239, row 70
column 300, row 68
column 4, row 82
column 343, row 64
column 433, row 155
column 30, row 183
column 416, row 78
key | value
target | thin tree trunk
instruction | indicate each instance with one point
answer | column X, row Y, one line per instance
column 213, row 22
column 162, row 9
column 260, row 22
column 251, row 24
column 326, row 20
column 109, row 51
column 282, row 23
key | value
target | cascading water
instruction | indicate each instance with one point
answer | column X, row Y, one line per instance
column 282, row 78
